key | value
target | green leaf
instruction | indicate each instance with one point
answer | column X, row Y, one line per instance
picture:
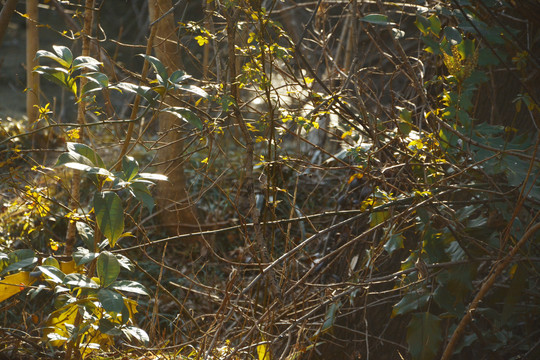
column 64, row 53
column 136, row 333
column 193, row 89
column 50, row 55
column 80, row 280
column 178, row 76
column 423, row 24
column 86, row 62
column 86, row 151
column 20, row 265
column 424, row 336
column 109, row 215
column 159, row 68
column 59, row 76
column 86, row 233
column 141, row 193
column 83, row 256
column 130, row 167
column 377, row 19
column 330, row 316
column 108, row 268
column 125, row 262
column 414, row 300
column 435, row 24
column 108, row 327
column 53, row 273
column 394, row 243
column 111, row 300
column 151, row 176
column 96, row 81
column 186, row 115
column 130, row 286
column 453, row 35
column 143, row 91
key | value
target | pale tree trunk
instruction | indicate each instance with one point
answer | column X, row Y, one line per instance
column 32, row 45
column 177, row 213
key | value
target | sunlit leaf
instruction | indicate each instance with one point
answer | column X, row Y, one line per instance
column 130, row 167
column 111, row 300
column 377, row 19
column 14, row 284
column 159, row 68
column 108, row 268
column 186, row 115
column 130, row 286
column 109, row 215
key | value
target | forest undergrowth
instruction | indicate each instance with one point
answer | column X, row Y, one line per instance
column 274, row 180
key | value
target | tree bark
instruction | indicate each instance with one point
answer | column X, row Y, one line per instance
column 32, row 46
column 5, row 15
column 177, row 213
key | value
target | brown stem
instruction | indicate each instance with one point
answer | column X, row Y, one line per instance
column 487, row 284
column 76, row 181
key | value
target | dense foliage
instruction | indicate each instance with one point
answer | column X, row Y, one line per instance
column 342, row 180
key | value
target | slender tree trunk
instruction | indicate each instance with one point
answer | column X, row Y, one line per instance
column 32, row 46
column 177, row 213
column 5, row 15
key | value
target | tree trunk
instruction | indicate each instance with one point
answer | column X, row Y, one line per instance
column 177, row 213
column 32, row 46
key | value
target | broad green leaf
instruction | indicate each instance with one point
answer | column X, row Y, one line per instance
column 96, row 81
column 83, row 256
column 435, row 24
column 143, row 91
column 59, row 76
column 193, row 89
column 453, row 35
column 108, row 268
column 80, row 280
column 424, row 336
column 52, row 273
column 136, row 333
column 141, row 193
column 111, row 300
column 414, row 300
column 108, row 327
column 394, row 242
column 130, row 286
column 125, row 262
column 87, row 152
column 86, row 62
column 151, row 176
column 423, row 24
column 109, row 215
column 377, row 19
column 68, row 157
column 21, row 264
column 178, row 76
column 86, row 233
column 159, row 68
column 130, row 167
column 186, row 115
column 64, row 53
column 50, row 55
